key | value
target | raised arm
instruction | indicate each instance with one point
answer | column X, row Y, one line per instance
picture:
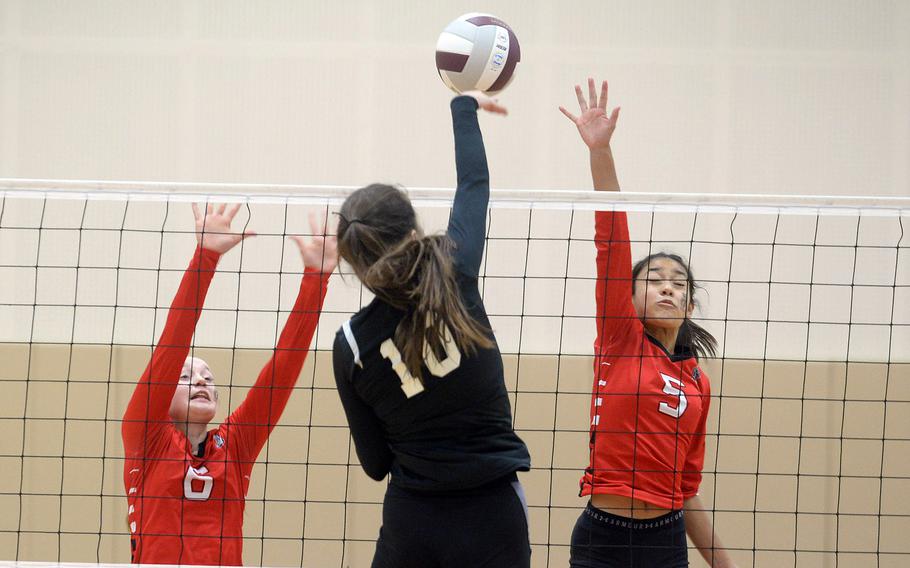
column 615, row 314
column 151, row 400
column 613, row 291
column 467, row 224
column 596, row 130
column 148, row 407
column 260, row 411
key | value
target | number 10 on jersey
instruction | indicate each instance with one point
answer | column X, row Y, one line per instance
column 410, row 384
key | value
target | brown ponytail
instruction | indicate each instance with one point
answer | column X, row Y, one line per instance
column 379, row 237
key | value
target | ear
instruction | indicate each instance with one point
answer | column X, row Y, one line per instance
column 690, row 309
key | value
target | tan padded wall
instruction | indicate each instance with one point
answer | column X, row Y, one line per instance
column 806, row 457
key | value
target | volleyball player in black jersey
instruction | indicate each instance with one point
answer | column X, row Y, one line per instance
column 421, row 379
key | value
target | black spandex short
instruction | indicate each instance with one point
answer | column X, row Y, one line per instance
column 487, row 526
column 602, row 540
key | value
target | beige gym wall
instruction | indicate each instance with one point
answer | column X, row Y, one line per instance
column 808, row 97
column 732, row 96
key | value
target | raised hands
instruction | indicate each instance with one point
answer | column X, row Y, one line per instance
column 320, row 252
column 486, row 102
column 594, row 125
column 213, row 232
column 213, row 228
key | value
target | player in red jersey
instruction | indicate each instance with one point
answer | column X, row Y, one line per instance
column 186, row 484
column 650, row 398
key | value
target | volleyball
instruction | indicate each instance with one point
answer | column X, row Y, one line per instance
column 477, row 52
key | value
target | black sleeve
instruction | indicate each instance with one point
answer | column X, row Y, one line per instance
column 369, row 441
column 467, row 224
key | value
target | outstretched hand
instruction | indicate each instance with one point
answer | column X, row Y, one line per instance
column 594, row 125
column 213, row 227
column 320, row 252
column 486, row 102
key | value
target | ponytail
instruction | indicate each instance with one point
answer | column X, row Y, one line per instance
column 696, row 339
column 418, row 277
column 379, row 237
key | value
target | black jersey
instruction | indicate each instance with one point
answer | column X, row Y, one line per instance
column 454, row 431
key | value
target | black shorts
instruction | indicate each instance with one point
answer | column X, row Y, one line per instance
column 487, row 526
column 602, row 540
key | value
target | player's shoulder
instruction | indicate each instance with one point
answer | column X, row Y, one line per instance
column 372, row 325
column 161, row 440
column 359, row 333
column 344, row 340
column 633, row 341
column 220, row 439
column 701, row 378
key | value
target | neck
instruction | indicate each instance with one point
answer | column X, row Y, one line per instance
column 195, row 432
column 666, row 336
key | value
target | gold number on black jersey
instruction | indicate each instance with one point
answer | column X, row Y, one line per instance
column 409, row 383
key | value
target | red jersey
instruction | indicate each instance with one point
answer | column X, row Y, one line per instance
column 186, row 509
column 649, row 407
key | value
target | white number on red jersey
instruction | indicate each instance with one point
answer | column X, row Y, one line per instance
column 200, row 477
column 673, row 387
column 409, row 383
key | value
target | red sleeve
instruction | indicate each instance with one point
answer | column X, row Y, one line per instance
column 151, row 400
column 613, row 292
column 695, row 458
column 255, row 418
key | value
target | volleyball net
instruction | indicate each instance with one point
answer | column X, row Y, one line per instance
column 808, row 450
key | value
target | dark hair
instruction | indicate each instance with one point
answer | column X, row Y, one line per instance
column 379, row 237
column 692, row 337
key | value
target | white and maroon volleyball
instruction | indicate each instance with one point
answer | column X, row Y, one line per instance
column 477, row 52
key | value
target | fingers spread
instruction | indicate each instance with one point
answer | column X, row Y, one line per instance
column 497, row 108
column 569, row 115
column 301, row 242
column 592, row 94
column 603, row 96
column 314, row 225
column 232, row 212
column 325, row 222
column 614, row 116
column 582, row 104
column 196, row 212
